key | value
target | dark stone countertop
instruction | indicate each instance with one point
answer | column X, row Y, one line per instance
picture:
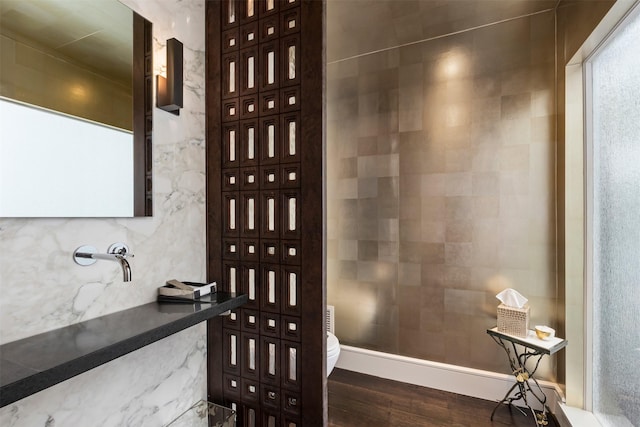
column 32, row 364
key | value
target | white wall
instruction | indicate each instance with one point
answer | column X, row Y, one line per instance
column 153, row 385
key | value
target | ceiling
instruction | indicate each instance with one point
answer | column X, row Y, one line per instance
column 96, row 34
column 355, row 27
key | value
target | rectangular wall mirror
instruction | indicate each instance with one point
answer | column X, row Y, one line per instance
column 75, row 109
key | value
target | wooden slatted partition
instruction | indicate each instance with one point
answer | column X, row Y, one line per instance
column 265, row 112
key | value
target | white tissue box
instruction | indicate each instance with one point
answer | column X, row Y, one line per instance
column 513, row 321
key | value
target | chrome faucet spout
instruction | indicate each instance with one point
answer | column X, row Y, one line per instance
column 126, row 269
column 88, row 255
column 109, row 257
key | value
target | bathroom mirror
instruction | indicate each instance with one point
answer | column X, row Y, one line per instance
column 75, row 109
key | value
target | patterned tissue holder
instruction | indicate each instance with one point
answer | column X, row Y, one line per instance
column 514, row 321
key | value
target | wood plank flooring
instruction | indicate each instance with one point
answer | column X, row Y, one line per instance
column 361, row 400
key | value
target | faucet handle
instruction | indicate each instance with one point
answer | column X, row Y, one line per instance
column 120, row 249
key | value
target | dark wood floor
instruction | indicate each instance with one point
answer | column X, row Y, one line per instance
column 362, row 400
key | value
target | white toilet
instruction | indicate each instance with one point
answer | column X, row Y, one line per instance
column 333, row 351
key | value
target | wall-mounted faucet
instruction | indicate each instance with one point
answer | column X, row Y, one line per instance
column 88, row 255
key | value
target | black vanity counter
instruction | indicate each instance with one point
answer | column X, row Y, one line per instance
column 32, row 364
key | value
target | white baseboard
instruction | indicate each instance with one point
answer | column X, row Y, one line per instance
column 441, row 376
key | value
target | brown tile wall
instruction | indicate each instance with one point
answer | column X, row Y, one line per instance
column 441, row 190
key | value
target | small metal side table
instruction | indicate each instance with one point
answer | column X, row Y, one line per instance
column 532, row 347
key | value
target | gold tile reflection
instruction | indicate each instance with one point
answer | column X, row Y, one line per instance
column 36, row 77
column 468, row 195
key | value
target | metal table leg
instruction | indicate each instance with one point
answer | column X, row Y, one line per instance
column 523, row 376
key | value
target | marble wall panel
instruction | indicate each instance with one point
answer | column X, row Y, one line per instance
column 37, row 261
column 149, row 387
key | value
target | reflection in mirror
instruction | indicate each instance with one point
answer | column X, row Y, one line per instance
column 75, row 102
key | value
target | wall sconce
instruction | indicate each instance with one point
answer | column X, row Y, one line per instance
column 169, row 89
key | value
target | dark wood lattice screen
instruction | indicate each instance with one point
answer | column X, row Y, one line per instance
column 264, row 171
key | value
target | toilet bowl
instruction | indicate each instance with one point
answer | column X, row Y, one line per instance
column 333, row 351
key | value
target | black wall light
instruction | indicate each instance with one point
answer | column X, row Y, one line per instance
column 169, row 89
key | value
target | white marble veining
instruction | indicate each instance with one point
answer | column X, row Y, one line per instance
column 121, row 392
column 37, row 252
column 43, row 289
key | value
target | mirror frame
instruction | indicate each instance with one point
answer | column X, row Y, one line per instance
column 142, row 116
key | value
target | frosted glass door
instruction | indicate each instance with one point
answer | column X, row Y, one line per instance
column 615, row 90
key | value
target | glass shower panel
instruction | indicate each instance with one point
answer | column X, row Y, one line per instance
column 616, row 227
